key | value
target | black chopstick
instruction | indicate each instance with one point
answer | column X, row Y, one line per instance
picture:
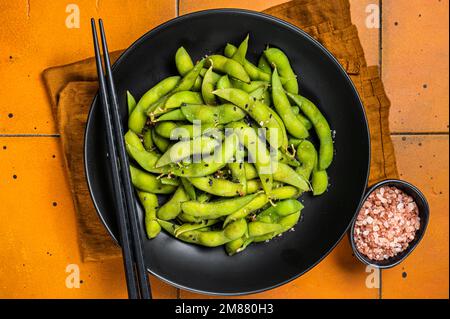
column 137, row 284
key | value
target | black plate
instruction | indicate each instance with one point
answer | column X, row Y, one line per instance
column 325, row 219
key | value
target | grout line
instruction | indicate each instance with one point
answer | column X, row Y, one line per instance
column 30, row 135
column 380, row 39
column 177, row 8
column 419, row 133
column 380, row 290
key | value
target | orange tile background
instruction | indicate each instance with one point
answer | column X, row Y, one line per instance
column 40, row 239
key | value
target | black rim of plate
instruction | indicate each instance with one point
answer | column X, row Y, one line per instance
column 272, row 19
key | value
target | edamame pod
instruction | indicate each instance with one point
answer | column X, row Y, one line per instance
column 319, row 180
column 220, row 114
column 257, row 151
column 161, row 143
column 284, row 173
column 218, row 208
column 138, row 117
column 175, row 115
column 248, row 87
column 147, row 139
column 183, row 61
column 131, row 102
column 146, row 159
column 189, row 188
column 252, row 70
column 208, row 165
column 149, row 183
column 172, row 207
column 322, row 128
column 188, row 81
column 277, row 58
column 208, row 88
column 257, row 110
column 307, row 155
column 238, row 173
column 150, row 203
column 283, row 107
column 183, row 150
column 194, row 226
column 264, row 65
column 217, row 186
column 183, row 97
column 228, row 66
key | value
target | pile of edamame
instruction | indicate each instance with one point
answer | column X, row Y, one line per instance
column 221, row 189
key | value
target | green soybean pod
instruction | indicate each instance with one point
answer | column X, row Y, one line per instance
column 264, row 65
column 248, row 87
column 188, row 81
column 185, row 149
column 217, row 186
column 219, row 208
column 223, row 83
column 286, row 223
column 238, row 174
column 281, row 209
column 283, row 107
column 189, row 188
column 135, row 149
column 183, row 97
column 148, row 183
column 295, row 142
column 307, row 155
column 256, row 203
column 208, row 87
column 161, row 143
column 263, row 161
column 284, row 173
column 131, row 102
column 277, row 58
column 228, row 66
column 235, row 246
column 183, row 61
column 197, row 84
column 211, row 164
column 319, row 182
column 321, row 126
column 241, row 51
column 172, row 207
column 194, row 226
column 260, row 112
column 175, row 115
column 165, row 129
column 147, row 139
column 137, row 119
column 252, row 70
column 256, row 229
column 150, row 203
column 220, row 114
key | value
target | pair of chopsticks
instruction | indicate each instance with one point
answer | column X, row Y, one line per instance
column 138, row 284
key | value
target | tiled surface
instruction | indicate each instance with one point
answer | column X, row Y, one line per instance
column 40, row 240
column 34, row 36
column 39, row 234
column 339, row 276
column 423, row 160
column 415, row 64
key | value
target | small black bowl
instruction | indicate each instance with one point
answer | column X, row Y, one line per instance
column 424, row 214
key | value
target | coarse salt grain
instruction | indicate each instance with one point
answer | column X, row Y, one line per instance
column 386, row 224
